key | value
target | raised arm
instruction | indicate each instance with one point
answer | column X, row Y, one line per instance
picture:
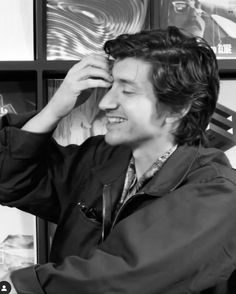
column 91, row 72
column 28, row 154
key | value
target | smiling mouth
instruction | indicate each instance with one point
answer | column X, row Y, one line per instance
column 116, row 120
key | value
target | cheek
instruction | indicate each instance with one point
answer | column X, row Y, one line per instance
column 141, row 110
column 177, row 19
column 148, row 118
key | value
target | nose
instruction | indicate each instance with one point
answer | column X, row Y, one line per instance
column 109, row 101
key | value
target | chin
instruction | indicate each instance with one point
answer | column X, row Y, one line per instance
column 113, row 140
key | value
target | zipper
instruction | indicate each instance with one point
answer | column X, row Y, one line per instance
column 106, row 210
column 140, row 194
column 107, row 224
column 122, row 207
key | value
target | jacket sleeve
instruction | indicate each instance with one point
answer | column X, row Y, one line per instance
column 185, row 243
column 26, row 180
column 34, row 169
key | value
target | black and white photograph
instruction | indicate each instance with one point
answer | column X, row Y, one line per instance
column 214, row 20
column 118, row 147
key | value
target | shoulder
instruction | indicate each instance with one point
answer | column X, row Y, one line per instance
column 211, row 164
column 94, row 150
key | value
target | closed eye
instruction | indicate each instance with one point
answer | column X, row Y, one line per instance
column 128, row 92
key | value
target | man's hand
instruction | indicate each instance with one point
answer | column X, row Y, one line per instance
column 91, row 72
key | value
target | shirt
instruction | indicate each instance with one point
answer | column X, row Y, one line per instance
column 132, row 185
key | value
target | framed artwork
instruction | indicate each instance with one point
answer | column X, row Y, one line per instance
column 17, row 21
column 18, row 240
column 79, row 27
column 214, row 20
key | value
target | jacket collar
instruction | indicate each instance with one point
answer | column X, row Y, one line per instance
column 173, row 172
column 167, row 179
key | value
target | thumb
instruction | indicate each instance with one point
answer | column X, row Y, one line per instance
column 84, row 95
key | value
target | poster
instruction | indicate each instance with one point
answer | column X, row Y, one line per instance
column 17, row 240
column 79, row 27
column 16, row 21
column 214, row 20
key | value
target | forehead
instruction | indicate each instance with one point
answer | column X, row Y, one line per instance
column 131, row 70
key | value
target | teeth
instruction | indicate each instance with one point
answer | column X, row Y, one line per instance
column 116, row 119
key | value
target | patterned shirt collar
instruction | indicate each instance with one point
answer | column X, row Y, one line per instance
column 132, row 185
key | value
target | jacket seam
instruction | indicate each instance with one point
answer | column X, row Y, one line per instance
column 215, row 178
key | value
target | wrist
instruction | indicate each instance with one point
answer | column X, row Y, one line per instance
column 50, row 114
column 45, row 121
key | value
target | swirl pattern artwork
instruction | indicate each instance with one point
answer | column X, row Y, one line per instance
column 79, row 27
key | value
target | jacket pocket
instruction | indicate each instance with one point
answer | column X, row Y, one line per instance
column 90, row 214
column 78, row 234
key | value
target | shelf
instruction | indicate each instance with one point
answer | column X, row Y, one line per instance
column 37, row 65
column 227, row 67
column 19, row 93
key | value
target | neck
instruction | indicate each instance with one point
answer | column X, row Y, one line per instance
column 146, row 155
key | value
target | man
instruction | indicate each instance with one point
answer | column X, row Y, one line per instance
column 215, row 22
column 186, row 14
column 145, row 209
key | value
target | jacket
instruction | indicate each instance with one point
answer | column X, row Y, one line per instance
column 176, row 236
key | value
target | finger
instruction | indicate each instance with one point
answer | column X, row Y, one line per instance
column 94, row 83
column 92, row 60
column 96, row 58
column 96, row 73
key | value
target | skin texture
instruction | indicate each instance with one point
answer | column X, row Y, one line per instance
column 132, row 100
column 134, row 115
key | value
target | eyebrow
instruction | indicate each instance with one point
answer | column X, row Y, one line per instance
column 128, row 81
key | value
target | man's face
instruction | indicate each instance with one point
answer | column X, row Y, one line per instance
column 187, row 15
column 131, row 105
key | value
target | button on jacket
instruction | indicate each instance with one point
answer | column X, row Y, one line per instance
column 176, row 236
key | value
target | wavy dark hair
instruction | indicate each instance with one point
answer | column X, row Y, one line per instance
column 184, row 75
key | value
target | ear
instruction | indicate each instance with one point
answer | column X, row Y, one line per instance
column 173, row 117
